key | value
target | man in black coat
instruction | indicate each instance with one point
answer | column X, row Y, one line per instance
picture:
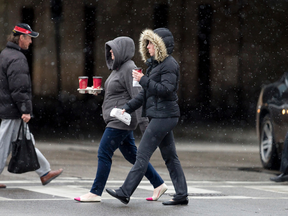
column 16, row 97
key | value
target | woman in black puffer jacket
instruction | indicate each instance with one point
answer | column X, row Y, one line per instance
column 159, row 101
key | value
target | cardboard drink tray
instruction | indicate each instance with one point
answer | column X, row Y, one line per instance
column 89, row 90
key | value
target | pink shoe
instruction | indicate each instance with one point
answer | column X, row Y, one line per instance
column 160, row 191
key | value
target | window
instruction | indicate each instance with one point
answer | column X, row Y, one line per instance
column 204, row 32
column 28, row 18
column 160, row 16
column 90, row 26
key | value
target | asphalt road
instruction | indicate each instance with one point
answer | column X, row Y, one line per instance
column 224, row 178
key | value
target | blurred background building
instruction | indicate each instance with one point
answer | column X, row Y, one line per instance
column 227, row 49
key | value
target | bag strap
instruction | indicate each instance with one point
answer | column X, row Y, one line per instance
column 21, row 126
column 26, row 129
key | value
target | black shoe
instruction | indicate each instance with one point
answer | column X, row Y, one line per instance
column 113, row 193
column 281, row 178
column 2, row 186
column 177, row 202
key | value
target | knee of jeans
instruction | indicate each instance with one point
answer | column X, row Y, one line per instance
column 171, row 160
column 142, row 160
column 108, row 149
column 104, row 156
column 130, row 159
column 142, row 156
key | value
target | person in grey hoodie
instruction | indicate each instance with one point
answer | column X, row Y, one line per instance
column 118, row 91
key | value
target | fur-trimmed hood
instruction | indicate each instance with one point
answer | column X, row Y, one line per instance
column 162, row 40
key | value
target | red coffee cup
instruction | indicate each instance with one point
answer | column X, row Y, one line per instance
column 138, row 69
column 83, row 82
column 136, row 83
column 97, row 81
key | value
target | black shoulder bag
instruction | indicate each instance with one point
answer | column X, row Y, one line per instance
column 24, row 157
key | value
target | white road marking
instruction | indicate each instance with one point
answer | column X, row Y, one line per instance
column 74, row 187
column 61, row 191
column 5, row 199
column 172, row 191
column 271, row 188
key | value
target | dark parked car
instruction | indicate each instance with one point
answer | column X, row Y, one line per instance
column 272, row 121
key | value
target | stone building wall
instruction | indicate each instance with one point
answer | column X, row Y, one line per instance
column 248, row 43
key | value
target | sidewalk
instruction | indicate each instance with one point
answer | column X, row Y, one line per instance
column 79, row 159
column 78, row 156
column 188, row 133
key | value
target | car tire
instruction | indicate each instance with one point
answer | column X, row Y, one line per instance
column 267, row 147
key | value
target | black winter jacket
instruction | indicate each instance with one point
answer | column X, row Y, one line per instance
column 160, row 84
column 15, row 83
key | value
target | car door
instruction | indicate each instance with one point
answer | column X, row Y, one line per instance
column 280, row 112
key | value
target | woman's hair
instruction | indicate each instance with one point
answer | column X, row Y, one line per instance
column 147, row 42
column 13, row 39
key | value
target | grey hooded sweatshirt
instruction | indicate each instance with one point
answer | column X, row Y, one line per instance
column 118, row 86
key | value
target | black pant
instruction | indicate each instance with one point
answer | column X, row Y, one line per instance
column 284, row 158
column 158, row 133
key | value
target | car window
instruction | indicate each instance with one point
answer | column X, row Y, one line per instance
column 286, row 79
column 282, row 88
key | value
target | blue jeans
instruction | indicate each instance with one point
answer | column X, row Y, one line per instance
column 124, row 140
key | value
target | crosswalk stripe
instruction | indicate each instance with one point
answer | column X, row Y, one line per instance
column 69, row 188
